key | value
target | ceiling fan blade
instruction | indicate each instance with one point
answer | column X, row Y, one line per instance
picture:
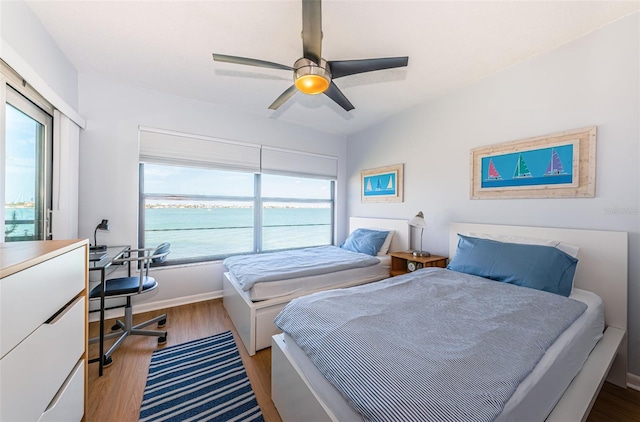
column 249, row 62
column 342, row 68
column 283, row 97
column 312, row 30
column 336, row 95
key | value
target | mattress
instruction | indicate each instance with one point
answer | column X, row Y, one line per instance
column 534, row 398
column 300, row 285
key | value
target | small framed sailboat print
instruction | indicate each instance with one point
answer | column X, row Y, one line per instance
column 382, row 184
column 559, row 165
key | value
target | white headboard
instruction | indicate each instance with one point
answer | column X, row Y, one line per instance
column 400, row 240
column 602, row 267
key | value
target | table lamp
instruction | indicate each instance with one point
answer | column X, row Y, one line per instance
column 418, row 221
column 104, row 225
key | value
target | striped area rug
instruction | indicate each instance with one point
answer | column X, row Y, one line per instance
column 202, row 380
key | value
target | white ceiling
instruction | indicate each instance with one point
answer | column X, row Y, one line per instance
column 167, row 45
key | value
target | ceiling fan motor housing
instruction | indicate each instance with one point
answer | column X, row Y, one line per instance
column 311, row 78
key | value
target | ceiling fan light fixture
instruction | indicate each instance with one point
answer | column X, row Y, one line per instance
column 312, row 84
column 311, row 78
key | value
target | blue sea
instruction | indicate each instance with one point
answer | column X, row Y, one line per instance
column 21, row 230
column 197, row 232
column 223, row 231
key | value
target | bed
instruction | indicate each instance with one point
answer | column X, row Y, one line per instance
column 254, row 319
column 299, row 393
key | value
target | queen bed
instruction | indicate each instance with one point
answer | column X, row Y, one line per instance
column 301, row 390
column 252, row 309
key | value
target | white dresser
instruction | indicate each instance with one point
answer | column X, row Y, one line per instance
column 43, row 330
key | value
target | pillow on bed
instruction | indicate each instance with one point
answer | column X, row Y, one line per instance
column 365, row 241
column 539, row 267
column 386, row 245
column 564, row 247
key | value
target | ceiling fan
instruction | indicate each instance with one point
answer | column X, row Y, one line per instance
column 311, row 73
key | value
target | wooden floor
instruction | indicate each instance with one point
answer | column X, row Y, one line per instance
column 116, row 396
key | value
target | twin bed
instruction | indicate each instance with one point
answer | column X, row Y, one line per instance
column 318, row 374
column 252, row 310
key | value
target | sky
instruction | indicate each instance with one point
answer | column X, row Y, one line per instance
column 195, row 181
column 21, row 157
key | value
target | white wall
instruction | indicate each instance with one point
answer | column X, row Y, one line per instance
column 109, row 165
column 591, row 81
column 29, row 49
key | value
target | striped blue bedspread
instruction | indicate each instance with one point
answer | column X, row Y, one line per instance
column 273, row 266
column 434, row 345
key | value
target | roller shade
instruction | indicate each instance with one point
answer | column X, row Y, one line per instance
column 289, row 162
column 158, row 146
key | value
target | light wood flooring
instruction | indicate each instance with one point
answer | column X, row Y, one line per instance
column 116, row 396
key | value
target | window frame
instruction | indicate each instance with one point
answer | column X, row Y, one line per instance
column 23, row 101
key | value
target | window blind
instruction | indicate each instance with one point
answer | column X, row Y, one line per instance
column 158, row 146
column 289, row 162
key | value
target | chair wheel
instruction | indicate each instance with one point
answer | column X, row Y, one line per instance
column 162, row 323
column 107, row 362
column 115, row 327
column 162, row 340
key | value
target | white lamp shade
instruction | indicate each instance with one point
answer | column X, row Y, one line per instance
column 418, row 221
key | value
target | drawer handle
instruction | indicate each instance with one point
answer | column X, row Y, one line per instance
column 62, row 312
column 65, row 385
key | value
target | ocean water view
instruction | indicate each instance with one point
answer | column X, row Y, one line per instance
column 224, row 231
column 19, row 223
column 216, row 231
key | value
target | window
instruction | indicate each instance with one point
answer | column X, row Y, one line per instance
column 209, row 213
column 212, row 198
column 28, row 169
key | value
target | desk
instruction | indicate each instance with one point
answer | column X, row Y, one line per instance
column 104, row 265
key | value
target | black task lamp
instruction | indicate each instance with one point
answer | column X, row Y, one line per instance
column 418, row 221
column 104, row 225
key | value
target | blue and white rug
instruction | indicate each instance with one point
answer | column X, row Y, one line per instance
column 202, row 380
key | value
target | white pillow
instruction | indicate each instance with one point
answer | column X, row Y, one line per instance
column 385, row 246
column 567, row 248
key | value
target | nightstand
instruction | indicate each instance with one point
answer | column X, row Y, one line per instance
column 401, row 261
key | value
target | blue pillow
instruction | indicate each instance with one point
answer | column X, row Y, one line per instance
column 535, row 266
column 365, row 241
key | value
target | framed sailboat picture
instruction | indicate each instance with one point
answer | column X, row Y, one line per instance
column 559, row 165
column 382, row 184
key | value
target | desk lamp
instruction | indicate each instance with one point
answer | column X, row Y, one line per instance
column 104, row 225
column 418, row 221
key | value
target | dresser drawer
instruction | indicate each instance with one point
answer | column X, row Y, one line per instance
column 32, row 373
column 35, row 294
column 68, row 404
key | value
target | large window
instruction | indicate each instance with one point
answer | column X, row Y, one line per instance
column 209, row 214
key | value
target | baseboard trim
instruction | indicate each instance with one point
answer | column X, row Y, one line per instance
column 154, row 306
column 633, row 381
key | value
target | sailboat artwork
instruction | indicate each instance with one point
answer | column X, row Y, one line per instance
column 493, row 173
column 536, row 167
column 521, row 169
column 383, row 184
column 380, row 185
column 555, row 165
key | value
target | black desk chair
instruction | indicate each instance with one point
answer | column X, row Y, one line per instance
column 128, row 287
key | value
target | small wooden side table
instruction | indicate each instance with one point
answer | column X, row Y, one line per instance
column 405, row 262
